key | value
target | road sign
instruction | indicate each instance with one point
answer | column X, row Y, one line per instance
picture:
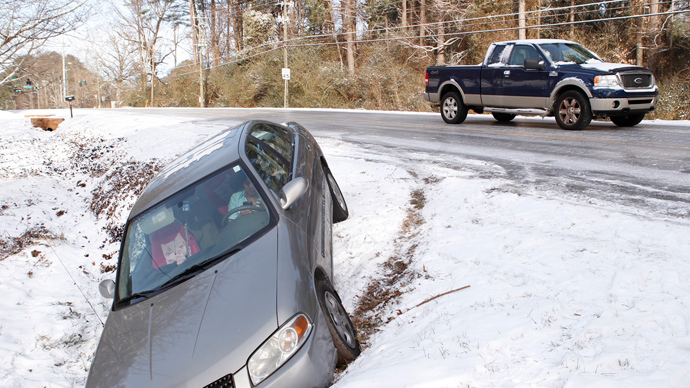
column 286, row 74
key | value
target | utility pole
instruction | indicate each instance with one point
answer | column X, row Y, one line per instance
column 64, row 79
column 522, row 32
column 196, row 34
column 285, row 37
column 153, row 72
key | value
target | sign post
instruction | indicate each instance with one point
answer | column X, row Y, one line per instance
column 70, row 99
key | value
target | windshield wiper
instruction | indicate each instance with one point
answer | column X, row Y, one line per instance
column 196, row 268
column 142, row 294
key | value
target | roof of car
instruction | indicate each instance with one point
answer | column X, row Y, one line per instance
column 211, row 155
column 536, row 41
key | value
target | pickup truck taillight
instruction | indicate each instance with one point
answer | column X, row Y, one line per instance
column 426, row 79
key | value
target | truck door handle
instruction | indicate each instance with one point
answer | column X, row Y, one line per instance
column 506, row 73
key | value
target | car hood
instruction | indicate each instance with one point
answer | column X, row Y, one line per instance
column 197, row 331
column 612, row 67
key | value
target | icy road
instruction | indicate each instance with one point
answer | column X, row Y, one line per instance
column 575, row 245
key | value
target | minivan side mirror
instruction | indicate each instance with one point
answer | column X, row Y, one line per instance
column 534, row 64
column 292, row 191
column 107, row 288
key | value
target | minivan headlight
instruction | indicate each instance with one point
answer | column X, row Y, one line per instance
column 606, row 82
column 284, row 342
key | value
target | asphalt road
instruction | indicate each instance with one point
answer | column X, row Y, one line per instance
column 647, row 165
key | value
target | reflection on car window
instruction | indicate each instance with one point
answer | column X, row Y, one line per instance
column 195, row 226
column 275, row 137
column 274, row 170
column 568, row 53
column 497, row 56
column 521, row 53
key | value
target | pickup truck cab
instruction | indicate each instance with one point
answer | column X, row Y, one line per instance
column 543, row 77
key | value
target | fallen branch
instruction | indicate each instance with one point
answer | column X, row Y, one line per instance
column 432, row 298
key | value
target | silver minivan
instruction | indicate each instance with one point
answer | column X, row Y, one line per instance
column 225, row 273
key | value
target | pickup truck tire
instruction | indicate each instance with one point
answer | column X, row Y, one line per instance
column 453, row 110
column 573, row 111
column 627, row 121
column 503, row 117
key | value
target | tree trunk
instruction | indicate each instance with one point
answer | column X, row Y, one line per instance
column 238, row 24
column 440, row 52
column 572, row 19
column 349, row 29
column 522, row 32
column 192, row 20
column 639, row 60
column 422, row 21
column 404, row 13
column 215, row 38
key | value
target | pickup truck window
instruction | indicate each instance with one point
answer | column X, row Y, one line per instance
column 568, row 53
column 497, row 55
column 522, row 53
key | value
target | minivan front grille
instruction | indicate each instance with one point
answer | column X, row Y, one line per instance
column 637, row 80
column 223, row 382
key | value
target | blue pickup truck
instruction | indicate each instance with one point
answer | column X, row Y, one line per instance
column 543, row 77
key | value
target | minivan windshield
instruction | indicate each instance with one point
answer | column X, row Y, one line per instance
column 565, row 53
column 189, row 232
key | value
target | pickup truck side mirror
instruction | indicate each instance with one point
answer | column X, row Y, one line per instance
column 534, row 64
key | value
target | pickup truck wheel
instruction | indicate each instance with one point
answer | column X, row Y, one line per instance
column 453, row 110
column 573, row 111
column 627, row 121
column 503, row 117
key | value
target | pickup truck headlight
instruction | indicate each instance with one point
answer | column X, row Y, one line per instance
column 607, row 82
column 284, row 342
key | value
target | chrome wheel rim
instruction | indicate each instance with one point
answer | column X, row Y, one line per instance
column 570, row 110
column 450, row 108
column 340, row 320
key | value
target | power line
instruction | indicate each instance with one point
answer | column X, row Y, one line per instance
column 468, row 23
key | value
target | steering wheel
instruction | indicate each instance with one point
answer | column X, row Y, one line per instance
column 242, row 208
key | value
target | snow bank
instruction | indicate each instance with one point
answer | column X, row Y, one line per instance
column 562, row 292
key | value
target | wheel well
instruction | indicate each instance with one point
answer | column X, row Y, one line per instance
column 320, row 276
column 449, row 88
column 567, row 88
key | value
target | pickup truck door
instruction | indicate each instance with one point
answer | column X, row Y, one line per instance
column 492, row 73
column 524, row 88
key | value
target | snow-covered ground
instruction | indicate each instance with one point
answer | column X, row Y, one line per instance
column 563, row 292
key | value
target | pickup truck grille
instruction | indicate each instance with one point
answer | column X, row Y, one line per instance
column 637, row 81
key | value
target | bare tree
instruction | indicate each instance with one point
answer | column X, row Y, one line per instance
column 142, row 25
column 350, row 30
column 26, row 25
column 116, row 59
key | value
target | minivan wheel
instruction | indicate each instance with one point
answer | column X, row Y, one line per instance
column 453, row 110
column 573, row 111
column 339, row 324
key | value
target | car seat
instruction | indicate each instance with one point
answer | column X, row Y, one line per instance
column 166, row 235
